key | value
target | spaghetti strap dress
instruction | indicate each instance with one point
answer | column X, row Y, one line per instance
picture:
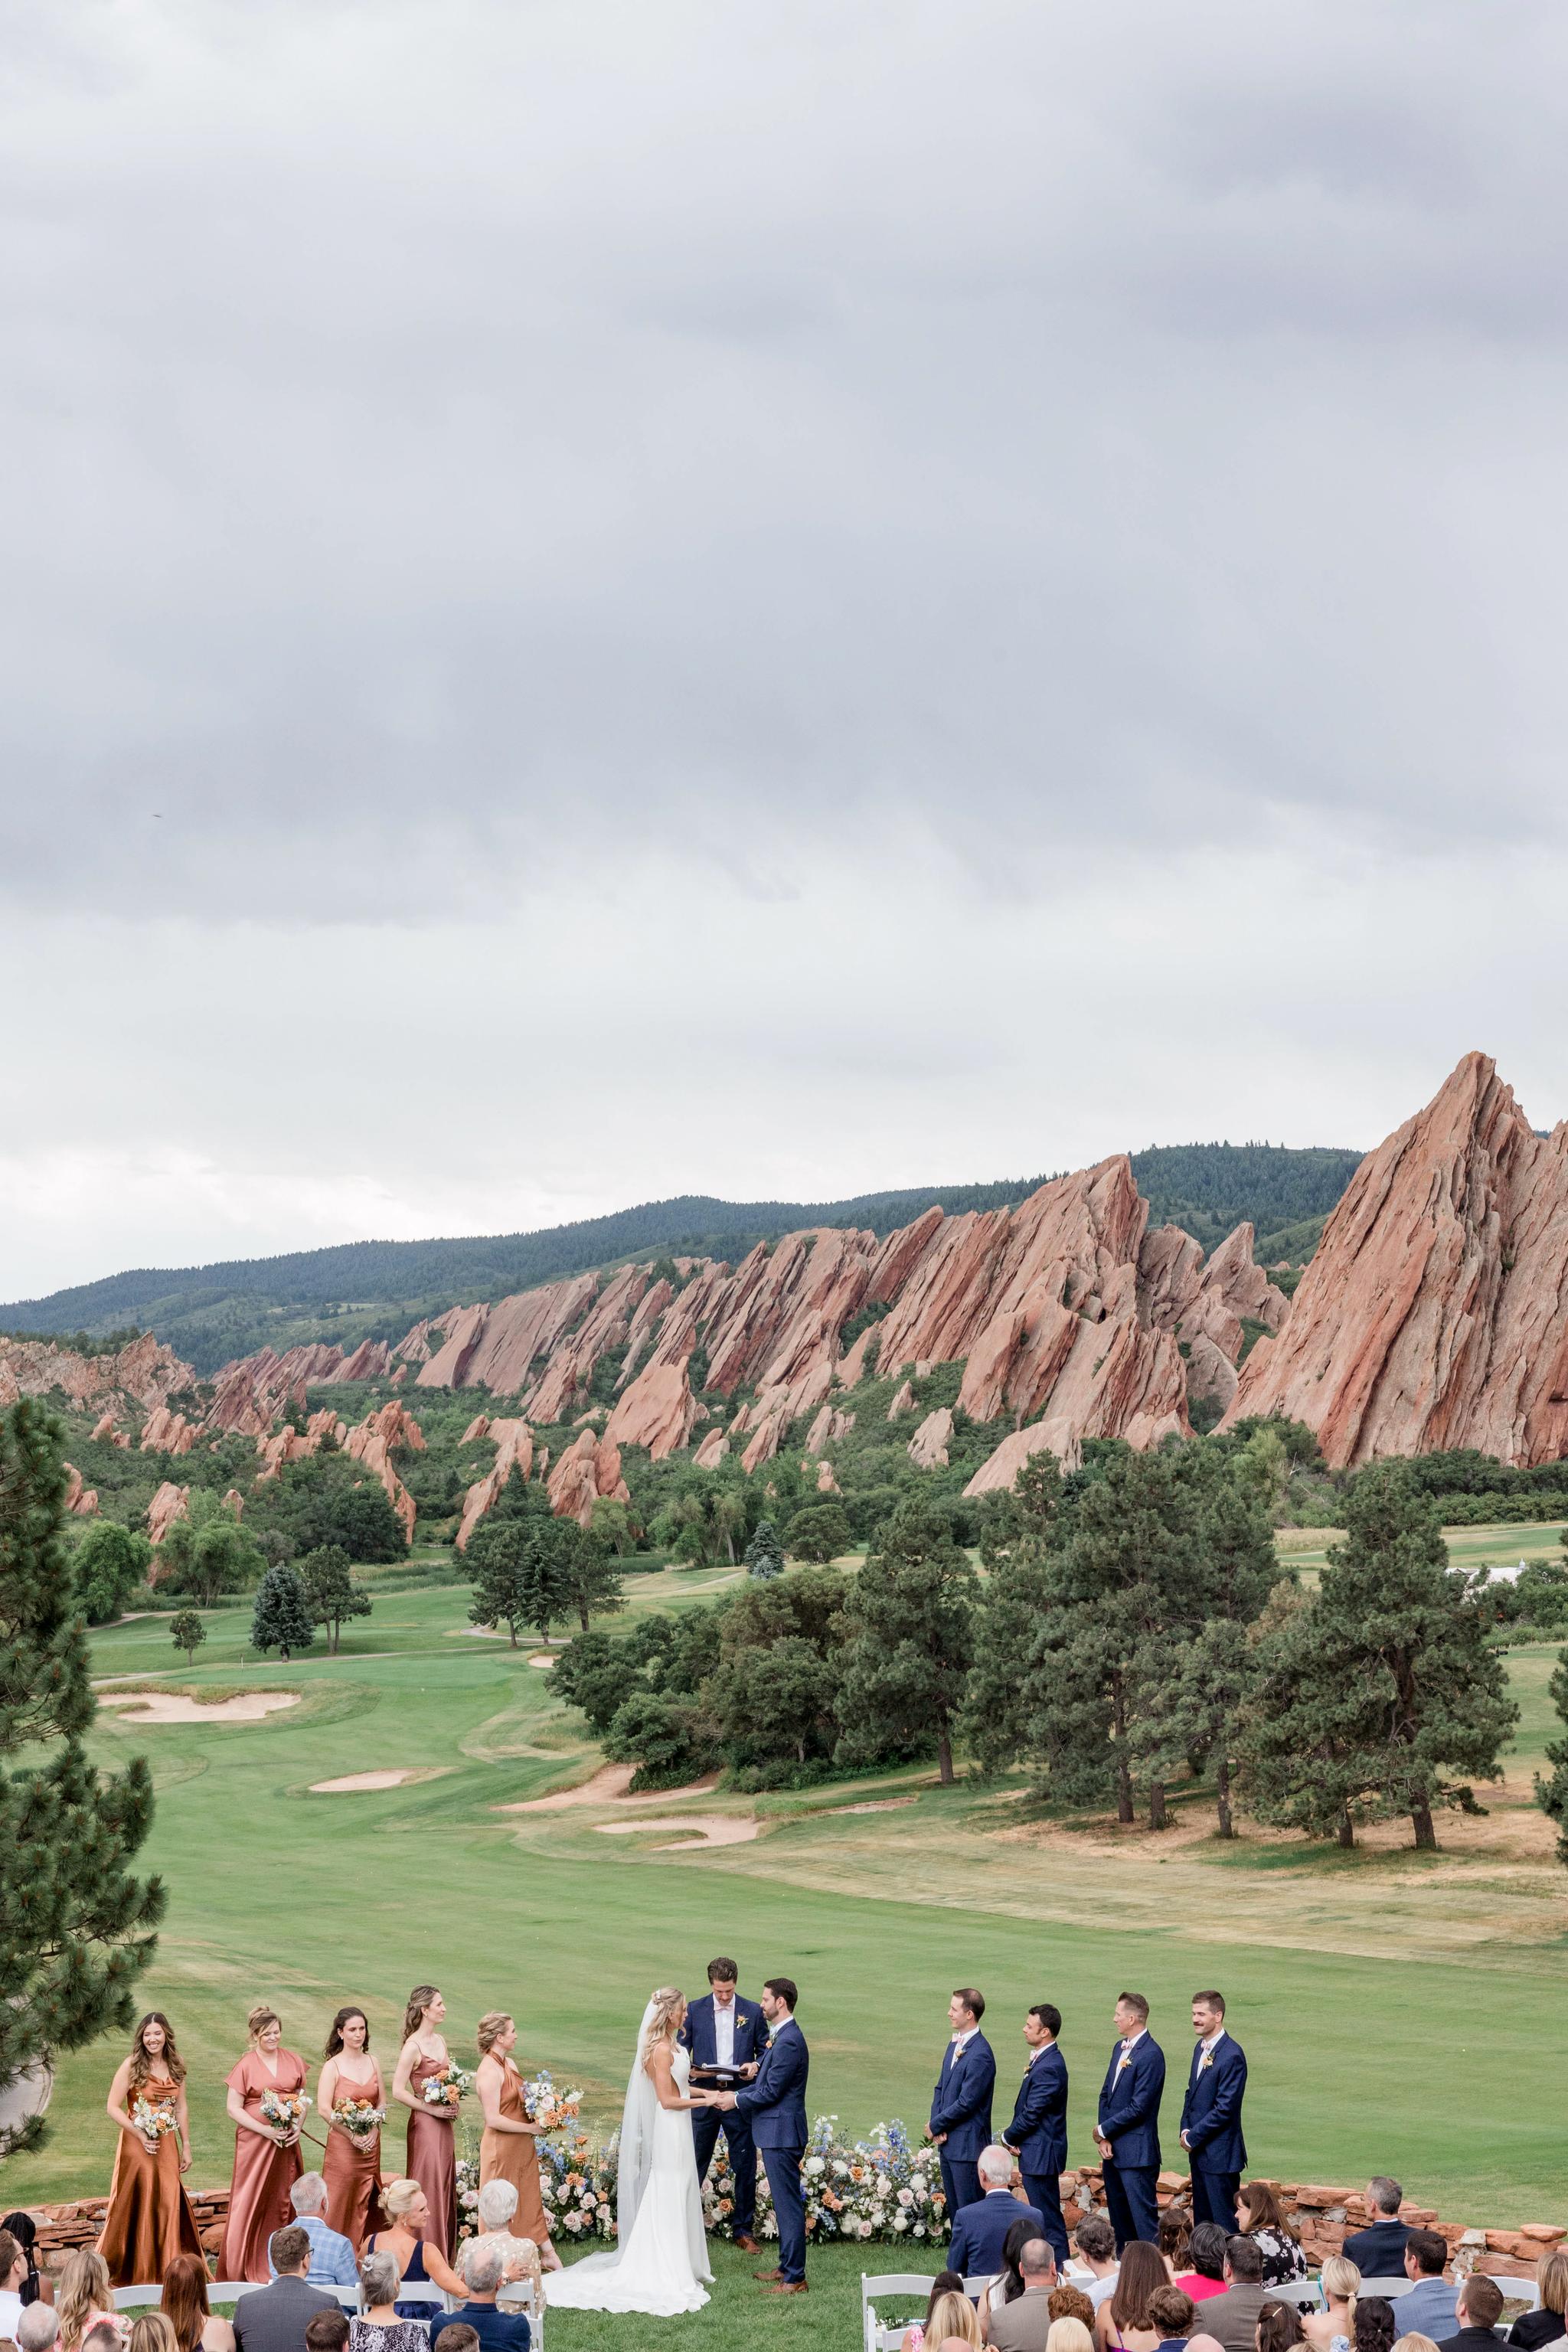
column 433, row 2158
column 351, row 2168
column 149, row 2221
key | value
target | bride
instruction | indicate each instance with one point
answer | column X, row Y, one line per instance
column 659, row 2266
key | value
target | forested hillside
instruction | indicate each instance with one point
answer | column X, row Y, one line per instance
column 376, row 1289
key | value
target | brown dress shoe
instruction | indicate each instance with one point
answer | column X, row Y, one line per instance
column 767, row 2275
column 748, row 2244
column 790, row 2286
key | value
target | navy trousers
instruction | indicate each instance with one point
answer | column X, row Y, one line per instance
column 789, row 2204
column 1214, row 2198
column 706, row 2125
column 1044, row 2190
column 1130, row 2201
column 960, row 2181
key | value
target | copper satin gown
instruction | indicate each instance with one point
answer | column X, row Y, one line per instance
column 149, row 2221
column 263, row 2172
column 433, row 2158
column 514, row 2157
column 351, row 2169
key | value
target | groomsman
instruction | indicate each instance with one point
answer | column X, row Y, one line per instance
column 774, row 2106
column 1037, row 2134
column 1128, row 2131
column 1211, row 2114
column 723, row 2029
column 960, row 2104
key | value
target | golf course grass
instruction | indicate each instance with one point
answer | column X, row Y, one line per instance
column 1397, row 2009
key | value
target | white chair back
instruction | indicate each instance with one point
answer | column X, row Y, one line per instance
column 137, row 2298
column 1301, row 2294
column 230, row 2290
column 890, row 2286
column 1388, row 2288
column 1516, row 2289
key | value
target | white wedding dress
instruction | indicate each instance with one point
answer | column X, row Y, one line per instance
column 660, row 2264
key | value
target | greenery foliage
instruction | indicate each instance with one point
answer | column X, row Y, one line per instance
column 281, row 1621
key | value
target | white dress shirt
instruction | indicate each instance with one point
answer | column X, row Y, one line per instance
column 724, row 2034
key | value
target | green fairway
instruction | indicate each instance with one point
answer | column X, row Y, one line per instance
column 1346, row 1974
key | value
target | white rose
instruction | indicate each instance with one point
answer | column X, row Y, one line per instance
column 814, row 2166
column 906, row 2196
column 900, row 2221
column 920, row 2229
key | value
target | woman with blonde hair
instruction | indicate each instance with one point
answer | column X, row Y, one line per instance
column 416, row 2255
column 265, row 2152
column 1545, row 2325
column 952, row 2316
column 84, row 2296
column 1070, row 2335
column 1333, row 2330
column 431, row 2152
column 154, row 2331
column 508, row 2149
column 149, row 2221
column 188, row 2307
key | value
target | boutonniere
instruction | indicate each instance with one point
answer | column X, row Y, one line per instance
column 1205, row 2062
column 1125, row 2059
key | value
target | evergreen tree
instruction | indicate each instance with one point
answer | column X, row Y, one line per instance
column 909, row 1618
column 331, row 1593
column 820, row 1533
column 1552, row 1796
column 1199, row 1709
column 282, row 1619
column 589, row 1580
column 187, row 1632
column 518, row 1578
column 764, row 1553
column 111, row 1563
column 75, row 1928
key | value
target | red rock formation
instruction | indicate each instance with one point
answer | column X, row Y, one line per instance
column 234, row 1502
column 372, row 1441
column 1057, row 1435
column 167, row 1433
column 142, row 1371
column 713, row 1450
column 1434, row 1312
column 514, row 1444
column 607, row 1325
column 371, row 1360
column 587, row 1470
column 104, row 1425
column 904, row 1401
column 828, row 1428
column 657, row 1410
column 498, row 1345
column 249, row 1394
column 478, row 1427
column 169, row 1504
column 1230, row 1287
column 826, row 1484
column 927, row 1449
column 82, row 1500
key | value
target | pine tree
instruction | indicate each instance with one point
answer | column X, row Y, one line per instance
column 764, row 1553
column 330, row 1593
column 909, row 1618
column 1552, row 1796
column 75, row 1925
column 282, row 1621
column 1200, row 1708
column 589, row 1580
column 518, row 1575
column 187, row 1632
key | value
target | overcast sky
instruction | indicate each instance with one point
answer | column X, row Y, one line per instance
column 600, row 598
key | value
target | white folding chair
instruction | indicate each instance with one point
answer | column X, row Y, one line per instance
column 975, row 2287
column 422, row 2291
column 351, row 2298
column 137, row 2298
column 1516, row 2289
column 1388, row 2288
column 521, row 2294
column 1301, row 2294
column 890, row 2285
column 230, row 2290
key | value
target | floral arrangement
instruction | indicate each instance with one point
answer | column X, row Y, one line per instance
column 577, row 2184
column 358, row 2117
column 879, row 2188
column 467, row 2183
column 284, row 2110
column 153, row 2117
column 543, row 2105
column 446, row 2086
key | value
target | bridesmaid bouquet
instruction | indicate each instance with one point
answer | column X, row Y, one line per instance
column 358, row 2117
column 446, row 2088
column 543, row 2105
column 154, row 2117
column 284, row 2110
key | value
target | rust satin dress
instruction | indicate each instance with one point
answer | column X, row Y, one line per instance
column 514, row 2157
column 263, row 2172
column 433, row 2158
column 351, row 2169
column 149, row 2221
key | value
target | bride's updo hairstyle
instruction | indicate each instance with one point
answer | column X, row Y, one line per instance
column 668, row 2003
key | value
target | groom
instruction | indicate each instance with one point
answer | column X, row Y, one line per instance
column 723, row 2029
column 774, row 2106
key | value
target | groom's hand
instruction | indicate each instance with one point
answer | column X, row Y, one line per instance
column 749, row 2069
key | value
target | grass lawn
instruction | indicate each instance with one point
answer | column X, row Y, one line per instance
column 739, row 2313
column 1347, row 1975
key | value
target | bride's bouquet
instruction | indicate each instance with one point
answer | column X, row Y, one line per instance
column 543, row 2105
column 284, row 2110
column 153, row 2117
column 448, row 2087
column 358, row 2117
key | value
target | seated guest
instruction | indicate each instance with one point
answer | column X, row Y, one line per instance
column 1330, row 2330
column 1233, row 2315
column 36, row 2287
column 979, row 2230
column 418, row 2258
column 1545, row 2325
column 38, row 2329
column 327, row 2331
column 1173, row 2313
column 331, row 2256
column 1026, row 2325
column 1480, row 2308
column 1261, row 2219
column 951, row 2320
column 1094, row 2242
column 152, row 2332
column 1204, row 2275
column 1175, row 2236
column 274, row 2318
column 1071, row 2303
column 186, row 2303
column 1414, row 2343
column 13, row 2279
column 1376, row 2326
column 1378, row 2251
column 104, row 2336
column 1123, row 2324
column 1068, row 2336
column 380, row 2327
column 1279, row 2327
column 1008, row 2284
column 84, row 2298
column 496, row 2331
column 1428, row 2309
column 944, row 2283
column 520, row 2256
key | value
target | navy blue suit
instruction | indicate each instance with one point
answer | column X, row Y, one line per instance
column 1130, row 2119
column 961, row 2107
column 775, row 2105
column 981, row 2231
column 1211, row 2121
column 1037, row 2136
column 700, row 2036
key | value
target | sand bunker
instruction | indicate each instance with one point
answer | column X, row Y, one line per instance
column 543, row 1658
column 609, row 1784
column 874, row 1805
column 713, row 1829
column 163, row 1707
column 352, row 1780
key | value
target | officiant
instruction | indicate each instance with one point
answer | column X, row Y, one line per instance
column 726, row 2035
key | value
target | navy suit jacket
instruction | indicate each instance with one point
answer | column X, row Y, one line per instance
column 961, row 2103
column 1129, row 2105
column 980, row 2232
column 699, row 2035
column 1038, row 2131
column 1379, row 2251
column 1211, row 2112
column 775, row 2102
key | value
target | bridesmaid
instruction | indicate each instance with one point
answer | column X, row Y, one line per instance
column 432, row 2155
column 266, row 2155
column 507, row 2151
column 351, row 2166
column 149, row 2221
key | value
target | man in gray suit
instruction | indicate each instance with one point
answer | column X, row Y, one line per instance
column 1232, row 2317
column 273, row 2319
